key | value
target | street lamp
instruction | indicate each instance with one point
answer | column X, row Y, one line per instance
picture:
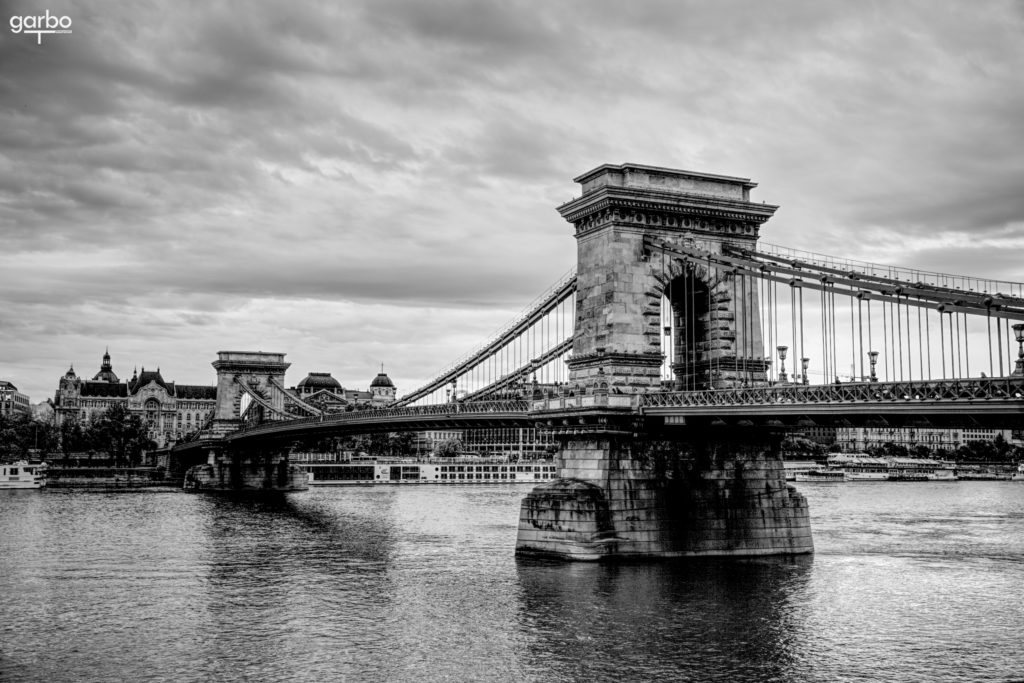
column 804, row 362
column 873, row 359
column 1018, row 331
column 782, row 358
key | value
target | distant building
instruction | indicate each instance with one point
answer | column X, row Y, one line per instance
column 13, row 401
column 171, row 410
column 322, row 391
column 857, row 439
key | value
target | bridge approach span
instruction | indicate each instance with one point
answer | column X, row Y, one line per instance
column 468, row 415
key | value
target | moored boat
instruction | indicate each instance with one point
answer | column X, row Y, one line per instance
column 860, row 466
column 822, row 475
column 22, row 475
column 431, row 471
column 921, row 469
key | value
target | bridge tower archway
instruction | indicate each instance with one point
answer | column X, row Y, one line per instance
column 686, row 306
column 623, row 214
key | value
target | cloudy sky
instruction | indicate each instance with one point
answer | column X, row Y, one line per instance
column 356, row 183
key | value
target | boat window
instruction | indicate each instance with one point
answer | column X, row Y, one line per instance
column 14, row 470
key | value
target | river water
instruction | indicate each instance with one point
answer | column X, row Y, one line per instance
column 910, row 582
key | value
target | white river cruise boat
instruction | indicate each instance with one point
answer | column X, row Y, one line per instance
column 22, row 475
column 921, row 469
column 863, row 467
column 431, row 471
column 822, row 476
column 860, row 466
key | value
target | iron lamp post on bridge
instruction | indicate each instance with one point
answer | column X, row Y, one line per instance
column 804, row 363
column 782, row 359
column 873, row 359
column 1018, row 331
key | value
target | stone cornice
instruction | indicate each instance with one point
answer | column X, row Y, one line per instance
column 614, row 358
column 251, row 368
column 647, row 199
column 708, row 215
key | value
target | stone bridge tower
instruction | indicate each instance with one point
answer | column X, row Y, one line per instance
column 633, row 486
column 230, row 469
column 620, row 281
column 256, row 369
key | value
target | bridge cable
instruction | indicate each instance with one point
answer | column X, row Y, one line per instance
column 860, row 332
column 928, row 339
column 687, row 321
column 827, row 333
column 991, row 362
column 952, row 350
column 834, row 338
column 792, row 324
column 835, row 335
column 942, row 342
column 910, row 345
column 746, row 326
column 999, row 338
column 885, row 338
column 803, row 352
column 776, row 308
column 967, row 347
column 871, row 343
column 824, row 331
column 769, row 311
column 899, row 333
column 921, row 351
column 959, row 361
column 735, row 318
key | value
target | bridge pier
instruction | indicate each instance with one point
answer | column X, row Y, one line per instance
column 229, row 470
column 623, row 497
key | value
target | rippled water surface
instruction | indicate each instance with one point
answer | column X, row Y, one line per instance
column 910, row 582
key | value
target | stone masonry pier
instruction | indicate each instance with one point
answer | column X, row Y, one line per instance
column 629, row 486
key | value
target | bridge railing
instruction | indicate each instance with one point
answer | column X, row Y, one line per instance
column 384, row 414
column 975, row 389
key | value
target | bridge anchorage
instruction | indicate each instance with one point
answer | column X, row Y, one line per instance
column 632, row 485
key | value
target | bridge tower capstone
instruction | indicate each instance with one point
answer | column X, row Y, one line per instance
column 621, row 279
column 634, row 486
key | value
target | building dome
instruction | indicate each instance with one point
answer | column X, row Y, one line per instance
column 106, row 373
column 382, row 380
column 316, row 381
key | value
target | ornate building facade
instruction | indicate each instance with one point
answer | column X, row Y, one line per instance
column 171, row 410
column 322, row 391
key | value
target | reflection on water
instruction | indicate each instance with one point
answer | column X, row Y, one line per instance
column 909, row 582
column 699, row 620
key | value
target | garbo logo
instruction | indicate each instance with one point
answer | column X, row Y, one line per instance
column 40, row 24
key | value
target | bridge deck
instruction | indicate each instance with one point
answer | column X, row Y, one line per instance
column 997, row 401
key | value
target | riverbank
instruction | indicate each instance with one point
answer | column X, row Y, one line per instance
column 109, row 478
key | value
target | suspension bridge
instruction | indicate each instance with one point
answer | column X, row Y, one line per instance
column 660, row 364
